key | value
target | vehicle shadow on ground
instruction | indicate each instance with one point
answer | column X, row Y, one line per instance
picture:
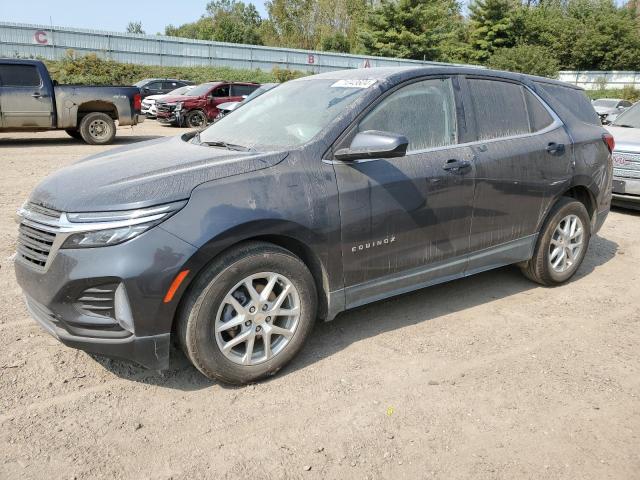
column 46, row 142
column 374, row 319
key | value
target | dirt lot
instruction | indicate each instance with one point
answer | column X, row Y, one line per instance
column 487, row 377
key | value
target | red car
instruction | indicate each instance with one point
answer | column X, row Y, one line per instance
column 199, row 106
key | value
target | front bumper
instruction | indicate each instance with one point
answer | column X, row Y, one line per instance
column 626, row 192
column 145, row 267
column 170, row 120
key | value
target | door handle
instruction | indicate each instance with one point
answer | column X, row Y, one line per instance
column 36, row 95
column 555, row 148
column 455, row 166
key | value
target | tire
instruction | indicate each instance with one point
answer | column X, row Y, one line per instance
column 97, row 128
column 196, row 119
column 541, row 268
column 206, row 307
column 73, row 133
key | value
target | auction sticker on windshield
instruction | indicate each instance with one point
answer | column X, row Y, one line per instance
column 353, row 83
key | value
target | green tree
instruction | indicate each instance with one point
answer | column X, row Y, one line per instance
column 491, row 27
column 135, row 27
column 531, row 59
column 418, row 29
column 226, row 21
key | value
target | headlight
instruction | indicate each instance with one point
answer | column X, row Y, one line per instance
column 101, row 229
column 178, row 106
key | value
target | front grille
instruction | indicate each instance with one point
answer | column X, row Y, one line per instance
column 163, row 108
column 34, row 245
column 626, row 164
column 98, row 300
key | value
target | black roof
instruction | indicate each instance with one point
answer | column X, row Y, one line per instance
column 397, row 74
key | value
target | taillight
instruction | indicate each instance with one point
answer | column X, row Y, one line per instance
column 608, row 139
column 137, row 102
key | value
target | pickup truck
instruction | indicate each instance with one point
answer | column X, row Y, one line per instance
column 30, row 101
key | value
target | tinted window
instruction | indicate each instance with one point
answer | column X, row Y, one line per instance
column 573, row 100
column 155, row 86
column 423, row 111
column 499, row 107
column 170, row 85
column 240, row 90
column 19, row 76
column 221, row 92
column 538, row 114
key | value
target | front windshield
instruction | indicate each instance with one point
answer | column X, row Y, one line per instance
column 259, row 91
column 287, row 116
column 603, row 102
column 629, row 118
column 180, row 91
column 199, row 90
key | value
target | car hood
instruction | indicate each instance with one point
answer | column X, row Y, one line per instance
column 228, row 106
column 144, row 174
column 177, row 98
column 627, row 139
column 605, row 110
column 154, row 97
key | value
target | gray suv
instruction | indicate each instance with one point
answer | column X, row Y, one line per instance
column 330, row 192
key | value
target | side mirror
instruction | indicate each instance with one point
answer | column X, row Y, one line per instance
column 146, row 90
column 374, row 144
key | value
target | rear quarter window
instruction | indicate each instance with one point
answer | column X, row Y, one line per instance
column 573, row 100
column 19, row 76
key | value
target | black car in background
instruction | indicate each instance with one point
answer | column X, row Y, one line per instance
column 327, row 193
column 159, row 86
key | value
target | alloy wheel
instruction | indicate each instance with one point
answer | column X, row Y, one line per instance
column 566, row 243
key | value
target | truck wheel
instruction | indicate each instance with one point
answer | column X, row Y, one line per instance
column 562, row 244
column 73, row 133
column 248, row 314
column 97, row 128
column 196, row 119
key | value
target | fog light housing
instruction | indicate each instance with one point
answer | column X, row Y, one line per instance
column 122, row 309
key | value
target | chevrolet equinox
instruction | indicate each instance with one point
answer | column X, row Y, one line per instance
column 329, row 192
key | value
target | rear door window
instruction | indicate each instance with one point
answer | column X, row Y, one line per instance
column 423, row 111
column 170, row 85
column 241, row 90
column 19, row 76
column 539, row 116
column 499, row 108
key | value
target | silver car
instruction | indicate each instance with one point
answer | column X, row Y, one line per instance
column 609, row 108
column 626, row 158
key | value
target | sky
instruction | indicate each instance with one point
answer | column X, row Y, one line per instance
column 111, row 15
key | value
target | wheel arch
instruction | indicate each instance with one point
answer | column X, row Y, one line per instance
column 97, row 106
column 580, row 192
column 206, row 255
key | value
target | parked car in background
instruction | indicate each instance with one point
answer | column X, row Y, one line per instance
column 199, row 106
column 30, row 101
column 327, row 193
column 626, row 158
column 605, row 107
column 149, row 103
column 159, row 86
column 228, row 107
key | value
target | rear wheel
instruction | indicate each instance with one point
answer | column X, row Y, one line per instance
column 196, row 119
column 248, row 314
column 97, row 128
column 73, row 133
column 562, row 244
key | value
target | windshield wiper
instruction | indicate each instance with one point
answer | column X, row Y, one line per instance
column 623, row 125
column 228, row 146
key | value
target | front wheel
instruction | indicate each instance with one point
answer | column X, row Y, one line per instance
column 196, row 119
column 248, row 314
column 97, row 128
column 562, row 244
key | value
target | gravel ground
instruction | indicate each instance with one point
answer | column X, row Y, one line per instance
column 487, row 377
